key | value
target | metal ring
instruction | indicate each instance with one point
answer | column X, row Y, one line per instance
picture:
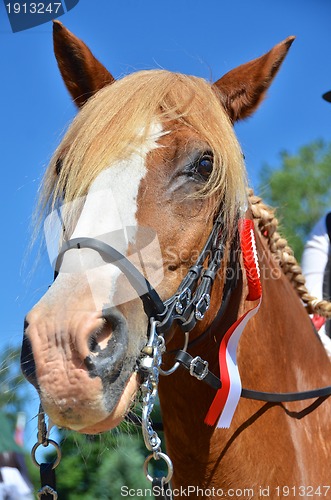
column 176, row 364
column 157, row 456
column 49, row 442
column 170, row 371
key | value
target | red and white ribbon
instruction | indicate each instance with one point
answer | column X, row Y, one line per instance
column 227, row 398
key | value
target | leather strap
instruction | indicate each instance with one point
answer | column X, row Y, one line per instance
column 286, row 397
column 198, row 368
column 48, row 483
column 160, row 489
column 152, row 302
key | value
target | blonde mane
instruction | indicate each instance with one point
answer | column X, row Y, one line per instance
column 116, row 121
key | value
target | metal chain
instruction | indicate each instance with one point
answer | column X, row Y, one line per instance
column 150, row 364
column 43, row 440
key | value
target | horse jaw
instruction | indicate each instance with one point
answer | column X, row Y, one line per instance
column 118, row 414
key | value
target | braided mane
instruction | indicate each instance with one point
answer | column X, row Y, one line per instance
column 283, row 254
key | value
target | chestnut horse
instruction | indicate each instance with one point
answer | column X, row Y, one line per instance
column 162, row 147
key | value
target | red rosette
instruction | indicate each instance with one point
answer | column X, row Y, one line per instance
column 250, row 259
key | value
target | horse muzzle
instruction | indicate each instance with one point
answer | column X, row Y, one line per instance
column 81, row 379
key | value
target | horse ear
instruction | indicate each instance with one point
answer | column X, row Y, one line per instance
column 243, row 89
column 82, row 73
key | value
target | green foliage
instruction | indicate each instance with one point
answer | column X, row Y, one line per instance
column 98, row 466
column 300, row 189
column 12, row 383
column 13, row 399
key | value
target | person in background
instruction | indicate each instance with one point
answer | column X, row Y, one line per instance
column 316, row 266
column 14, row 480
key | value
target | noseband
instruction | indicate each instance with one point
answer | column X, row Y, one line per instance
column 188, row 304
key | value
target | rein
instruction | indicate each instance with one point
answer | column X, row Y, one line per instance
column 186, row 307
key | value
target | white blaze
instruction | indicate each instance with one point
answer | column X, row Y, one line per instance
column 111, row 202
column 110, row 207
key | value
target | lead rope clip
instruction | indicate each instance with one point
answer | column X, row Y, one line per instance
column 47, row 470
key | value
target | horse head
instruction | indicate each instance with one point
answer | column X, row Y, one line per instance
column 147, row 166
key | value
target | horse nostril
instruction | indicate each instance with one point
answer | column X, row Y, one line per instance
column 99, row 339
column 108, row 346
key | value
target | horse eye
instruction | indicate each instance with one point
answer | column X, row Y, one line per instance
column 204, row 165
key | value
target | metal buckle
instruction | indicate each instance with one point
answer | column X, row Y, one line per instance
column 183, row 300
column 193, row 366
column 47, row 490
column 202, row 306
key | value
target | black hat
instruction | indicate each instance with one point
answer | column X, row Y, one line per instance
column 327, row 96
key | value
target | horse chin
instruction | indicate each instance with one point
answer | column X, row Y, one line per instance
column 93, row 417
column 117, row 415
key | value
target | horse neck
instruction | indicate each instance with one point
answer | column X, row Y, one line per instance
column 281, row 335
column 272, row 356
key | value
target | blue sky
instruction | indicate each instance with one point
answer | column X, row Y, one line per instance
column 204, row 38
